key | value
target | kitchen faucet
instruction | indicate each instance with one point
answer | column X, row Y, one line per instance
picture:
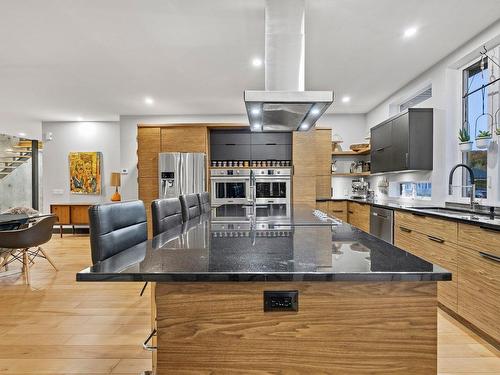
column 472, row 185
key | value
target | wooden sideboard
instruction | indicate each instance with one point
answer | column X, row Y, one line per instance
column 71, row 214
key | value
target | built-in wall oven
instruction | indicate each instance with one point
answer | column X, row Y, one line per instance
column 230, row 186
column 272, row 186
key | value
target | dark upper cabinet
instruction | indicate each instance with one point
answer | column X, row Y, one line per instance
column 403, row 142
column 230, row 137
column 274, row 138
column 230, row 152
column 381, row 147
column 244, row 145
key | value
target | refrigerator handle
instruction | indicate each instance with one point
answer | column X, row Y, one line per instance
column 181, row 176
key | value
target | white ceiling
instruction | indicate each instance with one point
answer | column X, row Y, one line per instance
column 61, row 59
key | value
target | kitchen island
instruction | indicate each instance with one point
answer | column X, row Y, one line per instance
column 278, row 289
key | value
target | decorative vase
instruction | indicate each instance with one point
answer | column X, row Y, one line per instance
column 483, row 142
column 465, row 146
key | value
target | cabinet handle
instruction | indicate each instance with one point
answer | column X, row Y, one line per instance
column 336, row 210
column 351, row 212
column 406, row 160
column 230, row 144
column 490, row 256
column 148, row 347
column 380, row 149
column 405, row 229
column 418, row 214
column 271, row 144
column 435, row 239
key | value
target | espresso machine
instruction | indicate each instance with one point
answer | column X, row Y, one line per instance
column 360, row 188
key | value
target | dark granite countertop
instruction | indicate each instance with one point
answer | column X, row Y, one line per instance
column 441, row 212
column 211, row 249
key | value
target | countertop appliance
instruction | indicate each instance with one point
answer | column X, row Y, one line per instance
column 181, row 173
column 382, row 223
column 360, row 188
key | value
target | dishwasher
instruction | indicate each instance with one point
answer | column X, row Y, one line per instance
column 382, row 223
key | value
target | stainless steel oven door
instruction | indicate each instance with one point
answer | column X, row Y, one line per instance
column 272, row 189
column 227, row 190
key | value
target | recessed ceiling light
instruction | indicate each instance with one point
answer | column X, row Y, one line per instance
column 148, row 100
column 257, row 62
column 304, row 126
column 255, row 111
column 409, row 32
column 346, row 99
column 315, row 111
column 79, row 118
column 22, row 134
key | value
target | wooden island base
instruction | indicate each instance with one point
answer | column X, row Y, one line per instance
column 340, row 328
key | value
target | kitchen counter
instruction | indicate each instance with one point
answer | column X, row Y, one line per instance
column 240, row 289
column 230, row 246
column 442, row 212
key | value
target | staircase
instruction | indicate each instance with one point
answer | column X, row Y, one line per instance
column 12, row 158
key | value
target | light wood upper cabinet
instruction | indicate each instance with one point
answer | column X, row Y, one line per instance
column 304, row 154
column 148, row 147
column 323, row 152
column 184, row 139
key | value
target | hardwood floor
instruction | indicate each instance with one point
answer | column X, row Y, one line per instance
column 58, row 326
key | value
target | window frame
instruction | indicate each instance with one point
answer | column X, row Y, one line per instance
column 466, row 73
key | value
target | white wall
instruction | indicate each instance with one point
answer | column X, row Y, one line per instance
column 446, row 80
column 352, row 129
column 128, row 141
column 69, row 137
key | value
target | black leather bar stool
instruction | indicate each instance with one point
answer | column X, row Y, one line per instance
column 166, row 214
column 190, row 206
column 204, row 202
column 22, row 241
column 115, row 227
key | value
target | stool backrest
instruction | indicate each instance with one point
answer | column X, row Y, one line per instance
column 166, row 214
column 190, row 206
column 115, row 227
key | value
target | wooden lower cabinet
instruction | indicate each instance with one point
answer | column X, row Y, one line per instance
column 479, row 291
column 433, row 249
column 358, row 215
column 479, row 278
column 350, row 328
column 71, row 214
column 336, row 209
column 432, row 226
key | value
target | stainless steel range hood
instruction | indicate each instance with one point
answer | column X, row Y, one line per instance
column 284, row 105
column 285, row 110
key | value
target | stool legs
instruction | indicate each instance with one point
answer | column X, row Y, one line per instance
column 26, row 266
column 48, row 258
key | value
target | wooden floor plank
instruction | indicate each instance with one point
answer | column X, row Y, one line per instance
column 60, row 327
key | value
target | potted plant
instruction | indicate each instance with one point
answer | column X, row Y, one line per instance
column 483, row 139
column 465, row 142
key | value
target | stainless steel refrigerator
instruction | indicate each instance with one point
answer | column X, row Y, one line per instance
column 181, row 173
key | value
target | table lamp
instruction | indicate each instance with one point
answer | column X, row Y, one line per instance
column 116, row 182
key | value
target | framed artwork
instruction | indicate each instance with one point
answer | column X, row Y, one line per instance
column 85, row 172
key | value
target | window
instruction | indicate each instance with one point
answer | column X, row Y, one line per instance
column 475, row 103
column 415, row 190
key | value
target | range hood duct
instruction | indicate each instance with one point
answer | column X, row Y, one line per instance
column 284, row 105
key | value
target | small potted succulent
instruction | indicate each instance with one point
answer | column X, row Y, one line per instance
column 465, row 143
column 483, row 139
